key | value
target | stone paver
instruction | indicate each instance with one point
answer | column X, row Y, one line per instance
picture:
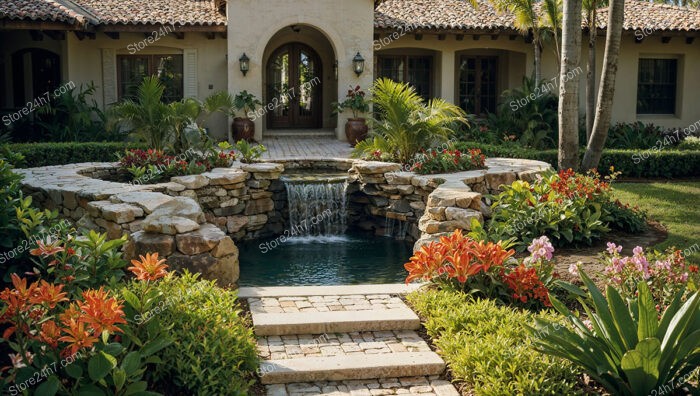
column 341, row 344
column 324, row 303
column 305, row 147
column 424, row 385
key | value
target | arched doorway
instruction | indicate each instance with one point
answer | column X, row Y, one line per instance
column 294, row 77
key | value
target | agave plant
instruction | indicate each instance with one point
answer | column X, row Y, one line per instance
column 628, row 349
column 405, row 124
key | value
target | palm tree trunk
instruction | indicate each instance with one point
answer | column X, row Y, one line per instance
column 606, row 91
column 568, row 85
column 538, row 60
column 590, row 75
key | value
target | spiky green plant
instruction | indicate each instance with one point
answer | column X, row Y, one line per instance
column 146, row 117
column 628, row 349
column 404, row 123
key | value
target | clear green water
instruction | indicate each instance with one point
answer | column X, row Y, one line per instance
column 318, row 260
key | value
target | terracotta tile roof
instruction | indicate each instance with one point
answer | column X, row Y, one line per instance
column 439, row 14
column 646, row 15
column 38, row 10
column 108, row 12
column 459, row 14
column 167, row 12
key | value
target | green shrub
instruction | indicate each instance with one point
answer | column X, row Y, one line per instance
column 213, row 352
column 527, row 115
column 44, row 154
column 690, row 143
column 627, row 347
column 487, row 346
column 668, row 163
column 636, row 135
column 405, row 123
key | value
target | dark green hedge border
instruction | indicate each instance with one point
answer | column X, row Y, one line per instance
column 44, row 154
column 632, row 163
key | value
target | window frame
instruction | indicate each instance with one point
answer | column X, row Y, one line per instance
column 152, row 69
column 405, row 58
column 676, row 85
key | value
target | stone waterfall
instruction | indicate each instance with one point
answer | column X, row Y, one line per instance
column 317, row 207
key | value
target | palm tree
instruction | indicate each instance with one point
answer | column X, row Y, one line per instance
column 606, row 91
column 552, row 19
column 146, row 117
column 526, row 21
column 405, row 124
column 568, row 87
column 590, row 7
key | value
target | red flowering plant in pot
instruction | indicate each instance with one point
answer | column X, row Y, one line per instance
column 486, row 269
column 356, row 127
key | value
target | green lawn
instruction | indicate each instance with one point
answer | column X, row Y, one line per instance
column 675, row 205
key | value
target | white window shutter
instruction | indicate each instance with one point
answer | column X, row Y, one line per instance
column 109, row 76
column 189, row 68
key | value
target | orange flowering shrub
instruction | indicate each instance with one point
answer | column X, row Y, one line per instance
column 484, row 268
column 44, row 324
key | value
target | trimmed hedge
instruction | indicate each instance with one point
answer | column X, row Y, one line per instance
column 632, row 163
column 44, row 154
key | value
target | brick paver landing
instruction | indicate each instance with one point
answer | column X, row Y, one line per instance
column 305, row 147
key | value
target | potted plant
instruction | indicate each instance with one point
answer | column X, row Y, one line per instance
column 243, row 127
column 355, row 127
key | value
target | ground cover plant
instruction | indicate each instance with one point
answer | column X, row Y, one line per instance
column 487, row 347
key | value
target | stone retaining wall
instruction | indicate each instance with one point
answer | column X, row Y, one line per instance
column 194, row 220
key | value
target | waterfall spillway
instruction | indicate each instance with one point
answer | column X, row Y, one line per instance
column 317, row 207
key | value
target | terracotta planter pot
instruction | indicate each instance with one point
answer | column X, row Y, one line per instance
column 356, row 130
column 243, row 128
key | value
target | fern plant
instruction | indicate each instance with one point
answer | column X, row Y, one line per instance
column 404, row 123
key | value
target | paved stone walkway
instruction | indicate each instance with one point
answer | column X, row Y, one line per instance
column 386, row 356
column 305, row 147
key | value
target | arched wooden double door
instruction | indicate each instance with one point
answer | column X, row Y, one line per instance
column 294, row 88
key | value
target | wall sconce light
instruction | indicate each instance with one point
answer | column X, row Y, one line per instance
column 335, row 69
column 358, row 64
column 244, row 62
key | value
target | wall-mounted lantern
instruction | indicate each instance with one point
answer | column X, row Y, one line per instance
column 358, row 64
column 244, row 62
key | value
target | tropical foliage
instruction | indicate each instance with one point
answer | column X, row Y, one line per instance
column 167, row 126
column 249, row 152
column 567, row 207
column 355, row 101
column 625, row 345
column 405, row 124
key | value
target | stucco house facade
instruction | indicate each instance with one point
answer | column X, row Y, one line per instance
column 300, row 54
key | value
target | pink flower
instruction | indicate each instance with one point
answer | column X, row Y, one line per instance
column 573, row 269
column 613, row 248
column 684, row 277
column 638, row 251
column 588, row 323
column 17, row 360
column 541, row 248
column 663, row 265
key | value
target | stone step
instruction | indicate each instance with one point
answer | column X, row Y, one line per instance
column 361, row 366
column 334, row 321
column 423, row 385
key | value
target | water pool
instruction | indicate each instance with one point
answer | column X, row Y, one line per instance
column 324, row 260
